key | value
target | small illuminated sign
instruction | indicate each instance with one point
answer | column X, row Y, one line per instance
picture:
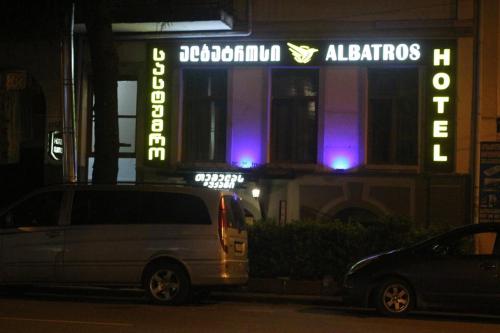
column 56, row 149
column 156, row 125
column 301, row 54
column 220, row 181
column 441, row 109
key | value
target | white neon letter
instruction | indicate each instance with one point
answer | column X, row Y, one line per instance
column 440, row 100
column 444, row 57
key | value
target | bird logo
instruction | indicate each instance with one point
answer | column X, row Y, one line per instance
column 302, row 54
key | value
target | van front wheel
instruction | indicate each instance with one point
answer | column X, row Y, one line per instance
column 167, row 284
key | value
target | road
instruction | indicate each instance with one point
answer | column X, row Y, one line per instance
column 42, row 312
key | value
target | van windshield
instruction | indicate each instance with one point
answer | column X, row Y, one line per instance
column 235, row 215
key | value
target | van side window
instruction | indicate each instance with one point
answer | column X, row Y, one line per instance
column 41, row 210
column 235, row 215
column 105, row 207
column 173, row 208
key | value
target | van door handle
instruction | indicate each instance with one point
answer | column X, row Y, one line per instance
column 486, row 266
column 53, row 234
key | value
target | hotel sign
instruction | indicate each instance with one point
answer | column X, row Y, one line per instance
column 441, row 109
column 436, row 58
column 298, row 53
column 158, row 106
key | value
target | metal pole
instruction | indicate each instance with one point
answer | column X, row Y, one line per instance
column 475, row 113
column 69, row 157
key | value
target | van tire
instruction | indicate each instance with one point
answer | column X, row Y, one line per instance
column 167, row 284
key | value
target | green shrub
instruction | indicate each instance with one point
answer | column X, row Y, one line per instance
column 313, row 249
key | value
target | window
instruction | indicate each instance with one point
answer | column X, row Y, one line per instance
column 41, row 210
column 294, row 115
column 204, row 115
column 234, row 212
column 127, row 114
column 393, row 116
column 481, row 243
column 133, row 207
column 173, row 208
column 105, row 207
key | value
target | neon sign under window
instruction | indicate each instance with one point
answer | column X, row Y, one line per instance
column 219, row 180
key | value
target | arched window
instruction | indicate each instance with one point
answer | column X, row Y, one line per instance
column 355, row 214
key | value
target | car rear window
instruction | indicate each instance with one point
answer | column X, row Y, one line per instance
column 137, row 207
column 235, row 215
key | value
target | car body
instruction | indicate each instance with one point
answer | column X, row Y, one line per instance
column 166, row 239
column 459, row 268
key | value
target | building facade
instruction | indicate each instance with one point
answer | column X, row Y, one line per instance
column 332, row 109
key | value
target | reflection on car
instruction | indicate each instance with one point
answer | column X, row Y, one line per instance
column 459, row 268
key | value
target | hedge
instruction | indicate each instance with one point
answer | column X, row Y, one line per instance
column 314, row 249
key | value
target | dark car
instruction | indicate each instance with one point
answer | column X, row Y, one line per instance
column 458, row 268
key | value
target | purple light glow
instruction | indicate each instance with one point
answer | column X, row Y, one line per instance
column 341, row 158
column 246, row 152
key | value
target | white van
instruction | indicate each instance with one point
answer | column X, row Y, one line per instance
column 167, row 240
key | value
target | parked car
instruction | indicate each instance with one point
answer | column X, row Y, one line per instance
column 458, row 268
column 167, row 240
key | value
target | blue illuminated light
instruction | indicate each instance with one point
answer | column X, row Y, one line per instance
column 341, row 163
column 246, row 163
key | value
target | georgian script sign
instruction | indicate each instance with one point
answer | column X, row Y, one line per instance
column 298, row 53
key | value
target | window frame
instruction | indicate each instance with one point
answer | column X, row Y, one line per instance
column 415, row 168
column 182, row 111
column 318, row 99
column 90, row 153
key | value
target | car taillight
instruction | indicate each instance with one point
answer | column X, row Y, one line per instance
column 222, row 223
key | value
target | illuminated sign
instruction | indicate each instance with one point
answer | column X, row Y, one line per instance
column 373, row 52
column 229, row 53
column 219, row 180
column 301, row 54
column 157, row 126
column 441, row 109
column 56, row 145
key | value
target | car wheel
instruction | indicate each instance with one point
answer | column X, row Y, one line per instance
column 395, row 298
column 167, row 284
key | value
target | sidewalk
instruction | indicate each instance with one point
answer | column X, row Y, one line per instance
column 283, row 290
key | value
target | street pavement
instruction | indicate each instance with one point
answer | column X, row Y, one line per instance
column 82, row 311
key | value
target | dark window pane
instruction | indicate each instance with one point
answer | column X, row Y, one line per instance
column 294, row 116
column 105, row 207
column 173, row 208
column 481, row 243
column 40, row 210
column 204, row 115
column 234, row 213
column 393, row 116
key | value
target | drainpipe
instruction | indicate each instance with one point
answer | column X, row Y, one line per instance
column 68, row 114
column 474, row 137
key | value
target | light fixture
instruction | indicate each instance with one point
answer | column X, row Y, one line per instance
column 256, row 193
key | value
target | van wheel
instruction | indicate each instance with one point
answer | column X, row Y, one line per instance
column 395, row 298
column 167, row 284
